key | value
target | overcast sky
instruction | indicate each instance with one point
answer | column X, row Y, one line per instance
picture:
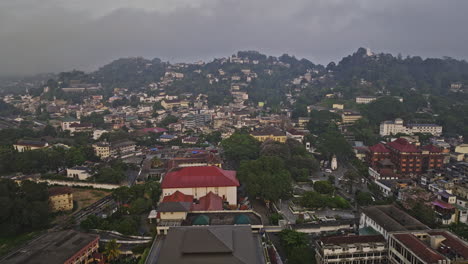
column 56, row 35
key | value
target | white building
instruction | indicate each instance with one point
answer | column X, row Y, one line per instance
column 365, row 99
column 79, row 173
column 388, row 128
column 199, row 181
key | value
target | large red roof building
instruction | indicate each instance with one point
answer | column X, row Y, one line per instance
column 404, row 157
column 199, row 181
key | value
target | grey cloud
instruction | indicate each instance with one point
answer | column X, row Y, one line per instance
column 54, row 35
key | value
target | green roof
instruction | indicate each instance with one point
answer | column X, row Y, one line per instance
column 241, row 219
column 201, row 220
column 366, row 231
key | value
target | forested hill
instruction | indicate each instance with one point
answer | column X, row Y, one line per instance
column 373, row 73
column 361, row 73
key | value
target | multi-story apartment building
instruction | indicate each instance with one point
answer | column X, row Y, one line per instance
column 351, row 249
column 105, row 149
column 61, row 198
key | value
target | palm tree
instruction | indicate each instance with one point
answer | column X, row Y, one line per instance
column 112, row 251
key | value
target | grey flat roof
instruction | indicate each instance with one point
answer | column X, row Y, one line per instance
column 213, row 244
column 54, row 247
column 393, row 219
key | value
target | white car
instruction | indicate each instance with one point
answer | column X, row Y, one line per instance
column 328, row 171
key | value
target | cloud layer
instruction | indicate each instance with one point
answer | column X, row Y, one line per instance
column 56, row 35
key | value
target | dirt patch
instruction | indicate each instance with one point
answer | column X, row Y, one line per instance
column 86, row 197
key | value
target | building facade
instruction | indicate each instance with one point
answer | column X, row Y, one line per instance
column 370, row 249
column 61, row 198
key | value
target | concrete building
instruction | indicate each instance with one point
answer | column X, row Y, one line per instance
column 79, row 173
column 353, row 249
column 349, row 117
column 427, row 247
column 269, row 133
column 388, row 128
column 59, row 247
column 365, row 99
column 66, row 122
column 61, row 198
column 102, row 149
column 388, row 218
column 26, row 145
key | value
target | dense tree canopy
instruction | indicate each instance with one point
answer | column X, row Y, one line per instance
column 23, row 208
column 266, row 178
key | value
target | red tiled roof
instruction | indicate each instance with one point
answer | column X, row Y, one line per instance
column 379, row 148
column 339, row 240
column 209, row 202
column 178, row 197
column 202, row 176
column 454, row 243
column 432, row 148
column 403, row 145
column 59, row 190
column 418, row 248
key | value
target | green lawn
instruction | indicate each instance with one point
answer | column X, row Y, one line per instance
column 8, row 243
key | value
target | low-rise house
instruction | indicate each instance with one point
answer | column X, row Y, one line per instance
column 79, row 173
column 61, row 198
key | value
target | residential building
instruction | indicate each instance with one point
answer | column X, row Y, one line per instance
column 269, row 133
column 210, row 244
column 67, row 121
column 427, row 247
column 79, row 173
column 351, row 249
column 61, row 198
column 349, row 117
column 26, row 145
column 198, row 181
column 170, row 104
column 102, row 149
column 445, row 213
column 61, row 247
column 388, row 218
column 365, row 99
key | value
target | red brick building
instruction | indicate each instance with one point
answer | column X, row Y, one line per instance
column 404, row 157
